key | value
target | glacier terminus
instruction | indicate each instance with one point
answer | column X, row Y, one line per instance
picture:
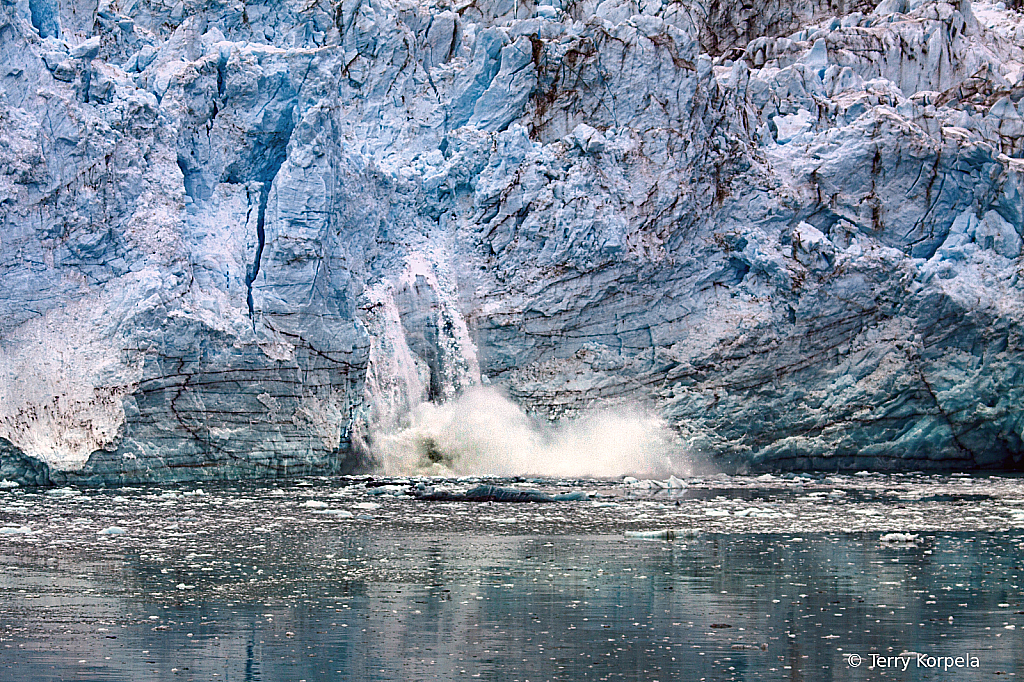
column 244, row 239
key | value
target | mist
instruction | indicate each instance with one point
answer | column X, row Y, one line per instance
column 484, row 433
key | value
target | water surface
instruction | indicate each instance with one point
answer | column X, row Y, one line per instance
column 333, row 579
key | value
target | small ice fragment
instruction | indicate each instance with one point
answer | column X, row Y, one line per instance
column 716, row 512
column 183, row 586
column 4, row 483
column 340, row 513
column 366, row 505
column 16, row 530
column 674, row 482
column 899, row 538
column 314, row 504
column 112, row 530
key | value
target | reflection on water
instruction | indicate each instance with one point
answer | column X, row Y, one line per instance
column 354, row 579
column 718, row 607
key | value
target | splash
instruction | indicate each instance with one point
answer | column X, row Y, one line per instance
column 484, row 433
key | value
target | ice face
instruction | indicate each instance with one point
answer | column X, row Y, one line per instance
column 241, row 243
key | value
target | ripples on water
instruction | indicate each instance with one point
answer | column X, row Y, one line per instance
column 349, row 578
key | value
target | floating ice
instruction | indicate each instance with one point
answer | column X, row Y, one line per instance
column 394, row 490
column 63, row 492
column 112, row 530
column 576, row 496
column 646, row 484
column 16, row 530
column 899, row 538
column 4, row 483
column 666, row 534
column 314, row 504
column 755, row 512
column 493, row 493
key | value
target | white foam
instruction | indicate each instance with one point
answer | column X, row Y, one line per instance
column 483, row 433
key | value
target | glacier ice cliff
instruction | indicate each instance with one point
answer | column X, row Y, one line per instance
column 238, row 237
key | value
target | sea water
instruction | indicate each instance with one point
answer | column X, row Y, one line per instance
column 908, row 577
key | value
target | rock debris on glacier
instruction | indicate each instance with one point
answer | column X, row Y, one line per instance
column 240, row 238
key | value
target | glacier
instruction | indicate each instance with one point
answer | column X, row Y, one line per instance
column 242, row 239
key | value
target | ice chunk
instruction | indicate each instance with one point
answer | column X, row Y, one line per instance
column 112, row 530
column 86, row 50
column 792, row 126
column 394, row 490
column 750, row 511
column 575, row 496
column 4, row 483
column 63, row 492
column 16, row 530
column 491, row 493
column 665, row 534
column 899, row 538
column 646, row 484
column 314, row 504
